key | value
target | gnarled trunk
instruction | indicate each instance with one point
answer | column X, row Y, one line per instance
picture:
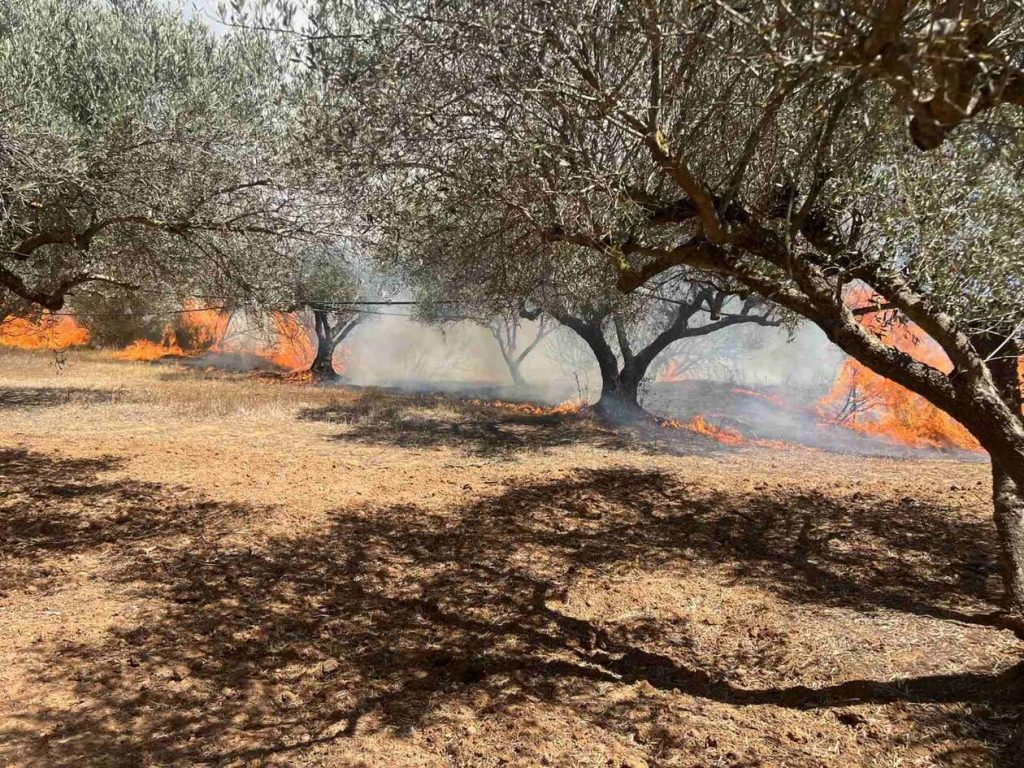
column 619, row 388
column 1008, row 503
column 322, row 367
column 619, row 395
column 1007, row 493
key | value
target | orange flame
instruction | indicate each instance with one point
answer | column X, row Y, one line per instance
column 672, row 372
column 566, row 407
column 204, row 329
column 292, row 348
column 702, row 426
column 204, row 326
column 48, row 332
column 868, row 403
column 145, row 350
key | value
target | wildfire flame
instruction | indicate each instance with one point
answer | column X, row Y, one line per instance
column 291, row 348
column 566, row 407
column 204, row 326
column 146, row 351
column 863, row 401
column 702, row 426
column 672, row 372
column 48, row 332
column 205, row 330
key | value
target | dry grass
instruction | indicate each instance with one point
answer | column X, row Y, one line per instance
column 205, row 568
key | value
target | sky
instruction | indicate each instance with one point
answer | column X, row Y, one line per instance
column 203, row 9
column 208, row 12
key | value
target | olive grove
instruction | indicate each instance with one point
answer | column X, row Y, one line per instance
column 810, row 153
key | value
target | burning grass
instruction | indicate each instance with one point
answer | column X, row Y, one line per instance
column 49, row 332
column 699, row 425
column 286, row 343
column 209, row 570
column 576, row 406
column 146, row 351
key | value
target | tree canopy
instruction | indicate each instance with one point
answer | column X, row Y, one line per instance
column 139, row 149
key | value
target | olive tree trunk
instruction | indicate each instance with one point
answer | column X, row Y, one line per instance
column 322, row 366
column 327, row 340
column 1008, row 494
column 515, row 372
column 620, row 389
column 1008, row 504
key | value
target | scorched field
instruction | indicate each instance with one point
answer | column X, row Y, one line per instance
column 202, row 567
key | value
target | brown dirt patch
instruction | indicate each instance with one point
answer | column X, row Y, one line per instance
column 200, row 568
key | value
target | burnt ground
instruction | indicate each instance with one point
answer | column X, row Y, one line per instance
column 200, row 569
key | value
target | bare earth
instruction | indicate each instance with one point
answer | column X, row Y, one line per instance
column 205, row 568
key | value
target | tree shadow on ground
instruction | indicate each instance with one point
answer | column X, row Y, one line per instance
column 51, row 506
column 488, row 429
column 12, row 398
column 396, row 613
column 480, row 429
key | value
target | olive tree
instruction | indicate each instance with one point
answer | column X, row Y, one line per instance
column 628, row 336
column 444, row 296
column 795, row 180
column 517, row 332
column 139, row 150
column 330, row 284
column 458, row 258
column 507, row 331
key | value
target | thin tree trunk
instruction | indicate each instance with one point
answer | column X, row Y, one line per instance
column 514, row 372
column 511, row 362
